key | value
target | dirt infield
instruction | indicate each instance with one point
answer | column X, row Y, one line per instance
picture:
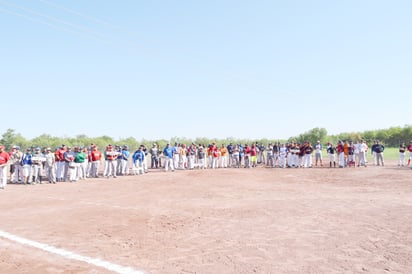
column 263, row 220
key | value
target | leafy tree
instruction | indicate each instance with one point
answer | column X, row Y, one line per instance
column 10, row 138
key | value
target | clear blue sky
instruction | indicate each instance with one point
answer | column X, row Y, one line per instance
column 246, row 69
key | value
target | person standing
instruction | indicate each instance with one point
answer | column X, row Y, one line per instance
column 253, row 155
column 410, row 152
column 331, row 153
column 191, row 155
column 168, row 153
column 351, row 154
column 201, row 155
column 269, row 155
column 111, row 160
column 318, row 153
column 60, row 163
column 4, row 159
column 183, row 156
column 95, row 157
column 235, row 156
column 50, row 165
column 223, row 156
column 37, row 165
column 138, row 160
column 15, row 167
column 246, row 152
column 176, row 155
column 230, row 148
column 363, row 149
column 307, row 158
column 70, row 167
column 283, row 155
column 373, row 151
column 154, row 155
column 402, row 152
column 276, row 148
column 124, row 160
column 379, row 148
column 341, row 154
column 26, row 163
column 80, row 159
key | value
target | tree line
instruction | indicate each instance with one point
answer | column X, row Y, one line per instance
column 391, row 137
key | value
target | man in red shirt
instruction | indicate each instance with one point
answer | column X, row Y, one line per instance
column 95, row 157
column 4, row 158
column 60, row 163
column 410, row 152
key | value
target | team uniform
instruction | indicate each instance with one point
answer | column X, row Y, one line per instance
column 168, row 153
column 50, row 166
column 191, row 156
column 70, row 165
column 60, row 163
column 283, row 155
column 16, row 170
column 124, row 161
column 95, row 157
column 26, row 163
column 154, row 155
column 201, row 155
column 402, row 152
column 111, row 162
column 4, row 158
column 363, row 148
column 269, row 156
column 138, row 159
column 318, row 153
column 410, row 153
column 223, row 156
column 81, row 164
column 37, row 166
column 351, row 155
column 341, row 154
column 331, row 153
column 253, row 155
column 379, row 148
column 307, row 158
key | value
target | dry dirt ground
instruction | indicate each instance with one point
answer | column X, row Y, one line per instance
column 258, row 220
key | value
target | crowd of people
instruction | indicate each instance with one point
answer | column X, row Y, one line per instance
column 38, row 165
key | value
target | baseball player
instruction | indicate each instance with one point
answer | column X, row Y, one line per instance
column 402, row 152
column 341, row 154
column 4, row 158
column 331, row 153
column 95, row 157
column 410, row 152
column 50, row 165
column 363, row 148
column 154, row 155
column 318, row 153
column 111, row 161
column 60, row 163
column 223, row 156
column 26, row 163
column 70, row 165
column 168, row 152
column 80, row 158
column 37, row 165
column 138, row 160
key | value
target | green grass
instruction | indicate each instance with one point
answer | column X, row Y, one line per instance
column 392, row 153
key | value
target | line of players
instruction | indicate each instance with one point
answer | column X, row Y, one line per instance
column 80, row 163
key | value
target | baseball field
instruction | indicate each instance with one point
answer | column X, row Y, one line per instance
column 262, row 220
